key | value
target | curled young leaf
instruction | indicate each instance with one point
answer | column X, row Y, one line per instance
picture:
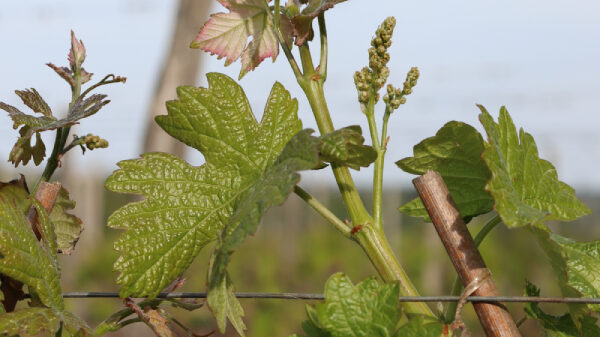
column 455, row 153
column 344, row 147
column 303, row 21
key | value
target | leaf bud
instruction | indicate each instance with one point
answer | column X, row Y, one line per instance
column 76, row 53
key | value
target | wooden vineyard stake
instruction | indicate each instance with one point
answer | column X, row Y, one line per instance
column 461, row 248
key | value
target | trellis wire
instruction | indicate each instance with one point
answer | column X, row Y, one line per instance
column 320, row 297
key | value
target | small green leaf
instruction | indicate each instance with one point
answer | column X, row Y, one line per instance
column 525, row 188
column 187, row 207
column 223, row 303
column 417, row 327
column 365, row 310
column 559, row 326
column 344, row 147
column 66, row 225
column 455, row 153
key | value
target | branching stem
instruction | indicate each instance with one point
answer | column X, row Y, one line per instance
column 323, row 211
column 322, row 71
column 370, row 237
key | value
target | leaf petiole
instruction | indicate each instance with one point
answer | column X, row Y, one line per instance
column 323, row 211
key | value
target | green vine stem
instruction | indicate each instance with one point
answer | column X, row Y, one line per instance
column 62, row 135
column 369, row 236
column 323, row 211
column 377, row 248
column 457, row 285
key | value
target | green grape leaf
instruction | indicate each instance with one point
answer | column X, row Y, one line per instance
column 33, row 321
column 583, row 266
column 576, row 264
column 272, row 188
column 303, row 21
column 226, row 34
column 67, row 226
column 186, row 207
column 344, row 147
column 559, row 260
column 30, row 321
column 367, row 309
column 30, row 125
column 26, row 259
column 417, row 327
column 455, row 153
column 34, row 263
column 559, row 326
column 525, row 188
column 223, row 303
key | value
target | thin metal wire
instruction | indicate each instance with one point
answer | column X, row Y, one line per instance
column 320, row 297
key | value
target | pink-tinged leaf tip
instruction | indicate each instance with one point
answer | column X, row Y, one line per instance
column 76, row 53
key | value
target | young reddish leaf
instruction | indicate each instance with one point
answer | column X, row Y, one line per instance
column 63, row 72
column 22, row 151
column 76, row 53
column 226, row 34
column 303, row 21
column 34, row 101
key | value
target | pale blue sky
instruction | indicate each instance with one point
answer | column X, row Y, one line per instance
column 539, row 58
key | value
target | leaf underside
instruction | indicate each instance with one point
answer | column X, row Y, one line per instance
column 455, row 153
column 186, row 207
